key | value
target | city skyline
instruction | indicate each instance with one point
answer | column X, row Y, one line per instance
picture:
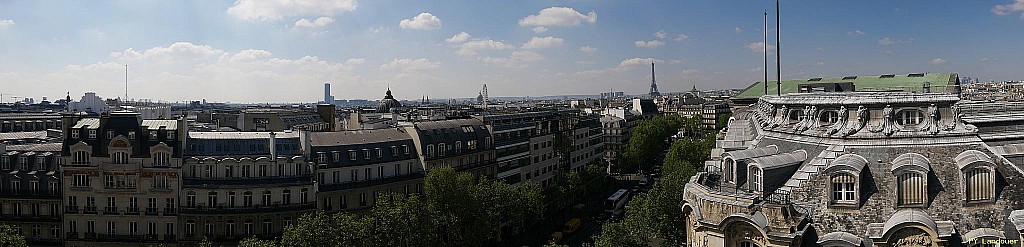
column 260, row 51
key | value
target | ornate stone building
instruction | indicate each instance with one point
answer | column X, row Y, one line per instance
column 120, row 177
column 30, row 199
column 861, row 169
column 241, row 184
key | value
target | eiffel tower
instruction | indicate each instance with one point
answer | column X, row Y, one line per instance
column 654, row 86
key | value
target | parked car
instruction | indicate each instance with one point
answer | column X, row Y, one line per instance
column 571, row 226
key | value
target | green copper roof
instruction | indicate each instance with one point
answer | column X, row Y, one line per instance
column 940, row 82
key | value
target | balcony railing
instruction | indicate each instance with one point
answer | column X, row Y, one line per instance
column 372, row 182
column 170, row 211
column 89, row 210
column 119, row 237
column 216, row 182
column 253, row 209
column 152, row 211
column 71, row 209
column 132, row 211
column 90, row 235
column 30, row 218
column 71, row 235
column 109, row 210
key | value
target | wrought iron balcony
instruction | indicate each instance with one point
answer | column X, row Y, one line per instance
column 372, row 182
column 252, row 209
column 89, row 210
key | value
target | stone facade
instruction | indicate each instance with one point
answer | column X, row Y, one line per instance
column 884, row 169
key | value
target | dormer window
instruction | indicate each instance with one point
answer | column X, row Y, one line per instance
column 110, row 134
column 441, row 147
column 74, row 134
column 170, row 135
column 911, row 171
column 152, row 134
column 352, row 154
column 909, row 117
column 844, row 179
column 978, row 176
column 131, row 135
column 92, row 134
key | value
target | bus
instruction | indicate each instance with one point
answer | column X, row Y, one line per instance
column 616, row 201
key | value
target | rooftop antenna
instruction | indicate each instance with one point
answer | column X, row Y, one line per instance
column 778, row 50
column 766, row 52
column 126, row 82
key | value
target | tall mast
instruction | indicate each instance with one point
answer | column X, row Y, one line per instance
column 778, row 49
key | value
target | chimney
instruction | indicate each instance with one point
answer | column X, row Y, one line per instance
column 273, row 146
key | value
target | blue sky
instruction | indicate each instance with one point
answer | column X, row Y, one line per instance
column 284, row 50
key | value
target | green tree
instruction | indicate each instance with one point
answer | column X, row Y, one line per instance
column 255, row 242
column 9, row 237
column 400, row 220
column 341, row 229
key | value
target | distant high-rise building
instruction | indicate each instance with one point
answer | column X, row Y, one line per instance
column 328, row 98
column 654, row 85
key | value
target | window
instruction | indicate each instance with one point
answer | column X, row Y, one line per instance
column 380, row 153
column 458, row 147
column 843, row 189
column 755, row 180
column 336, row 156
column 344, row 202
column 229, row 228
column 354, row 175
column 430, row 150
column 286, row 197
column 263, row 171
column 362, row 199
column 190, row 199
column 131, row 135
column 92, row 134
column 394, row 151
column 190, row 228
column 119, row 157
column 133, row 228
column 80, row 158
column 266, row 198
column 110, row 134
column 161, row 182
column 912, row 189
column 267, row 226
column 980, row 183
column 441, row 148
column 169, row 228
column 398, row 170
column 304, row 196
column 111, row 227
column 170, row 135
column 380, row 171
column 247, row 199
column 352, row 155
column 366, row 154
column 321, row 158
column 74, row 134
column 368, row 173
column 161, row 159
column 80, row 181
column 747, row 244
column 909, row 117
column 152, row 228
column 406, row 147
column 231, row 199
column 151, row 204
column 212, row 198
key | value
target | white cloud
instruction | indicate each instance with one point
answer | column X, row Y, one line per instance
column 675, row 61
column 558, row 16
column 660, row 34
column 759, row 47
column 539, row 29
column 458, row 38
column 411, row 65
column 1006, row 9
column 469, row 49
column 545, row 42
column 588, row 49
column 738, row 30
column 319, row 22
column 633, row 62
column 173, row 72
column 690, row 72
column 682, row 37
column 648, row 44
column 891, row 41
column 585, row 62
column 937, row 61
column 516, row 60
column 855, row 33
column 266, row 10
column 423, row 21
column 6, row 23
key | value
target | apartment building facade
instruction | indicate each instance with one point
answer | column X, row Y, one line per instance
column 30, row 199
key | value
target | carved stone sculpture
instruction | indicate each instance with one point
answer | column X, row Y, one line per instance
column 844, row 116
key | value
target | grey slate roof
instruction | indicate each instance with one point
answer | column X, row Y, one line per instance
column 851, row 161
column 23, row 135
column 910, row 160
column 970, row 156
column 43, row 147
column 780, row 160
column 156, row 124
column 358, row 137
column 91, row 123
column 1017, row 217
column 752, row 153
column 240, row 135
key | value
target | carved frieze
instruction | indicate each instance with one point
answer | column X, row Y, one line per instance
column 844, row 116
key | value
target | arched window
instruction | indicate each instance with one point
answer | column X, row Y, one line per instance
column 978, row 176
column 119, row 157
column 441, row 148
column 747, row 243
column 755, row 179
column 81, row 158
column 844, row 189
column 911, row 171
column 829, row 117
column 430, row 150
column 909, row 117
column 844, row 179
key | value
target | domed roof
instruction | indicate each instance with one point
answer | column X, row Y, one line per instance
column 388, row 103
